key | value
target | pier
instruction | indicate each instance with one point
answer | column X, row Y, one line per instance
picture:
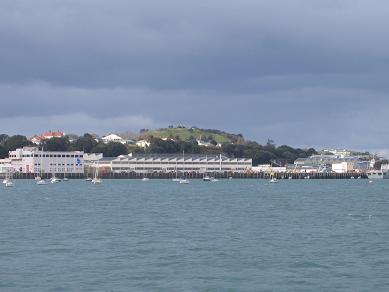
column 189, row 175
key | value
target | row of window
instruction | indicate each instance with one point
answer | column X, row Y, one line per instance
column 180, row 163
column 53, row 155
column 59, row 164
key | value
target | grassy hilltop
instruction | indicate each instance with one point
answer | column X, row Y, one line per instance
column 187, row 134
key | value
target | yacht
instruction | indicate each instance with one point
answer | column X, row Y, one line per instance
column 55, row 180
column 184, row 181
column 96, row 180
column 41, row 182
column 9, row 184
column 274, row 180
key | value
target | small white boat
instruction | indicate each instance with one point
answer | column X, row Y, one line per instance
column 65, row 179
column 6, row 180
column 214, row 179
column 307, row 177
column 352, row 177
column 41, row 182
column 230, row 177
column 207, row 178
column 37, row 178
column 274, row 180
column 145, row 179
column 55, row 180
column 9, row 184
column 96, row 181
column 290, row 177
column 176, row 179
column 88, row 179
column 184, row 181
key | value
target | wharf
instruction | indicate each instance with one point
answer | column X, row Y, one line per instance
column 260, row 175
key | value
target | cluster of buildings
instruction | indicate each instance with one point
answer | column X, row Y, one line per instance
column 32, row 160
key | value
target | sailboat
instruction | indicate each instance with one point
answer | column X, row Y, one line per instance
column 64, row 174
column 183, row 180
column 8, row 180
column 39, row 179
column 96, row 180
column 176, row 179
column 54, row 179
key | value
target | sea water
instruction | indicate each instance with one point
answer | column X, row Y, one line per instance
column 231, row 235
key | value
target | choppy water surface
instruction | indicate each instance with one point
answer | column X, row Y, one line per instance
column 235, row 235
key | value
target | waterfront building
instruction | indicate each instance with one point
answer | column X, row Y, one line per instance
column 33, row 160
column 170, row 163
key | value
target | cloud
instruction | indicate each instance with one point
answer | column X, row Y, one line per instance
column 302, row 72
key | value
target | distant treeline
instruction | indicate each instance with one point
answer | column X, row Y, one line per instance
column 261, row 154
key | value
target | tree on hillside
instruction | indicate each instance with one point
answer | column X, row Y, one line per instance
column 3, row 138
column 3, row 152
column 85, row 143
column 15, row 142
column 111, row 149
column 56, row 144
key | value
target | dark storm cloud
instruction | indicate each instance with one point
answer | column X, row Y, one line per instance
column 302, row 72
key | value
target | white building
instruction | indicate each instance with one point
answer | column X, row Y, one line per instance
column 342, row 167
column 172, row 163
column 33, row 160
column 143, row 143
column 37, row 139
column 113, row 138
column 342, row 153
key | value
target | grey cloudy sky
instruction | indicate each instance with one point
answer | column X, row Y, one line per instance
column 303, row 72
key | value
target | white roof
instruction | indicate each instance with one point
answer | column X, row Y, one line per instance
column 112, row 137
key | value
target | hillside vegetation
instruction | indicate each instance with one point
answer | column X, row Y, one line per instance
column 188, row 134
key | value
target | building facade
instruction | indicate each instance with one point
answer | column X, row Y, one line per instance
column 171, row 163
column 33, row 160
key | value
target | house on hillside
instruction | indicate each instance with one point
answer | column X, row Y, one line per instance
column 37, row 139
column 113, row 138
column 142, row 143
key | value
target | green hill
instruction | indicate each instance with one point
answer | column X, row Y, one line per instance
column 186, row 134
